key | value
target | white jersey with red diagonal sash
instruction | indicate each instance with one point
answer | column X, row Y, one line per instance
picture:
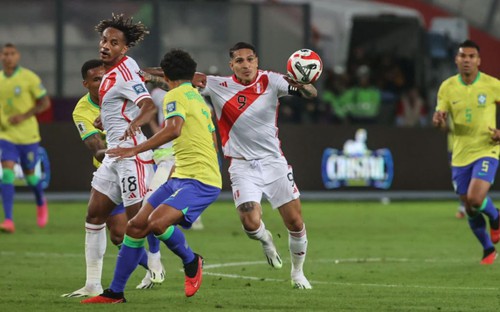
column 247, row 114
column 120, row 91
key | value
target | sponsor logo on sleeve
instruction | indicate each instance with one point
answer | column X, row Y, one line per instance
column 139, row 88
column 171, row 107
column 81, row 127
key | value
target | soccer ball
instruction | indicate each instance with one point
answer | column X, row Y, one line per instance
column 304, row 66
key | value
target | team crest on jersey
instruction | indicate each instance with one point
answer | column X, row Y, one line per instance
column 81, row 127
column 139, row 88
column 171, row 107
column 17, row 90
column 258, row 87
column 481, row 99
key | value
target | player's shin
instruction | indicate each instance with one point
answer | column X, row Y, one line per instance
column 95, row 246
column 297, row 242
column 8, row 191
column 128, row 258
column 175, row 241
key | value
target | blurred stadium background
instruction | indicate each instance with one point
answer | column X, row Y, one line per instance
column 401, row 49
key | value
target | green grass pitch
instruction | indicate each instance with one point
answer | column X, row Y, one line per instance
column 363, row 256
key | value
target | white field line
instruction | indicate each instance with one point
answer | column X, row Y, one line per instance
column 255, row 278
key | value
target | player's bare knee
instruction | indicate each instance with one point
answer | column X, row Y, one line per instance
column 116, row 238
column 157, row 226
column 475, row 201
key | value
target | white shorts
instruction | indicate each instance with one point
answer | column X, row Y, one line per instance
column 125, row 180
column 270, row 176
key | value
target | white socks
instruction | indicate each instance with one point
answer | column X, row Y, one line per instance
column 297, row 242
column 261, row 234
column 95, row 246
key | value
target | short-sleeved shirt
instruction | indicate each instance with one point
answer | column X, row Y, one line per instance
column 120, row 90
column 194, row 149
column 247, row 114
column 472, row 109
column 84, row 115
column 18, row 94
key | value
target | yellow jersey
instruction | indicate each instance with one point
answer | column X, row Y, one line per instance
column 194, row 149
column 472, row 109
column 18, row 94
column 84, row 114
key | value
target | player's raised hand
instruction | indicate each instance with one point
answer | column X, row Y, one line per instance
column 121, row 152
column 439, row 119
column 495, row 135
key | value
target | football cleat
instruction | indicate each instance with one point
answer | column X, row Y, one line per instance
column 42, row 214
column 7, row 226
column 197, row 224
column 272, row 255
column 192, row 284
column 299, row 281
column 108, row 296
column 495, row 234
column 146, row 282
column 157, row 276
column 84, row 292
column 489, row 258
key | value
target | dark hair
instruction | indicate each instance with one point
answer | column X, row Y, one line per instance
column 133, row 32
column 88, row 65
column 241, row 45
column 469, row 44
column 178, row 65
column 10, row 45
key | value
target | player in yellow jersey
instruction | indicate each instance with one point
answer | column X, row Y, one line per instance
column 22, row 96
column 468, row 100
column 194, row 185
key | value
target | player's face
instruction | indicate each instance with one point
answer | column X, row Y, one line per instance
column 112, row 46
column 10, row 57
column 93, row 80
column 468, row 61
column 244, row 65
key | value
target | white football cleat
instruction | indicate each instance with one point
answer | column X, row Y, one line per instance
column 86, row 291
column 157, row 276
column 197, row 224
column 272, row 255
column 146, row 282
column 299, row 281
column 156, row 269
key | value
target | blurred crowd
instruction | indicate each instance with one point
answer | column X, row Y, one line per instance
column 378, row 90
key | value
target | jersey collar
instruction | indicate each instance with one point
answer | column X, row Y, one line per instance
column 255, row 79
column 92, row 102
column 18, row 68
column 475, row 80
column 123, row 59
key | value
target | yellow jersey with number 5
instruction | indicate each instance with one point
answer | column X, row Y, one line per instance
column 194, row 150
column 472, row 109
column 18, row 94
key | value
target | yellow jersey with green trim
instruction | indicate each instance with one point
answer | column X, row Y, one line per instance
column 194, row 149
column 84, row 115
column 472, row 109
column 18, row 94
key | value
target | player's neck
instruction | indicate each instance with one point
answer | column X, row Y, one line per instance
column 108, row 66
column 9, row 71
column 470, row 78
column 176, row 83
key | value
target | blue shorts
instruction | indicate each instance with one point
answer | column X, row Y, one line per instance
column 117, row 210
column 24, row 154
column 484, row 168
column 188, row 195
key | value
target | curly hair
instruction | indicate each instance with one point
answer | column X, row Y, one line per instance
column 178, row 65
column 133, row 32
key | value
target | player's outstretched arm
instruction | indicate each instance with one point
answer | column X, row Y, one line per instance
column 307, row 91
column 153, row 78
column 171, row 131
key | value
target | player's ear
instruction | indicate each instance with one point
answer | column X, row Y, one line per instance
column 124, row 50
column 85, row 84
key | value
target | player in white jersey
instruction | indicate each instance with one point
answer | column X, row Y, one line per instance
column 246, row 106
column 125, row 106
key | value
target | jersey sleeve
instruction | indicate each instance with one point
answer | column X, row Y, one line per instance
column 132, row 86
column 174, row 106
column 83, row 123
column 206, row 91
column 442, row 99
column 280, row 83
column 36, row 87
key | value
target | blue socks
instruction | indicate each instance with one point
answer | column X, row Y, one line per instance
column 154, row 243
column 36, row 186
column 478, row 227
column 175, row 241
column 8, row 192
column 129, row 256
column 489, row 209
